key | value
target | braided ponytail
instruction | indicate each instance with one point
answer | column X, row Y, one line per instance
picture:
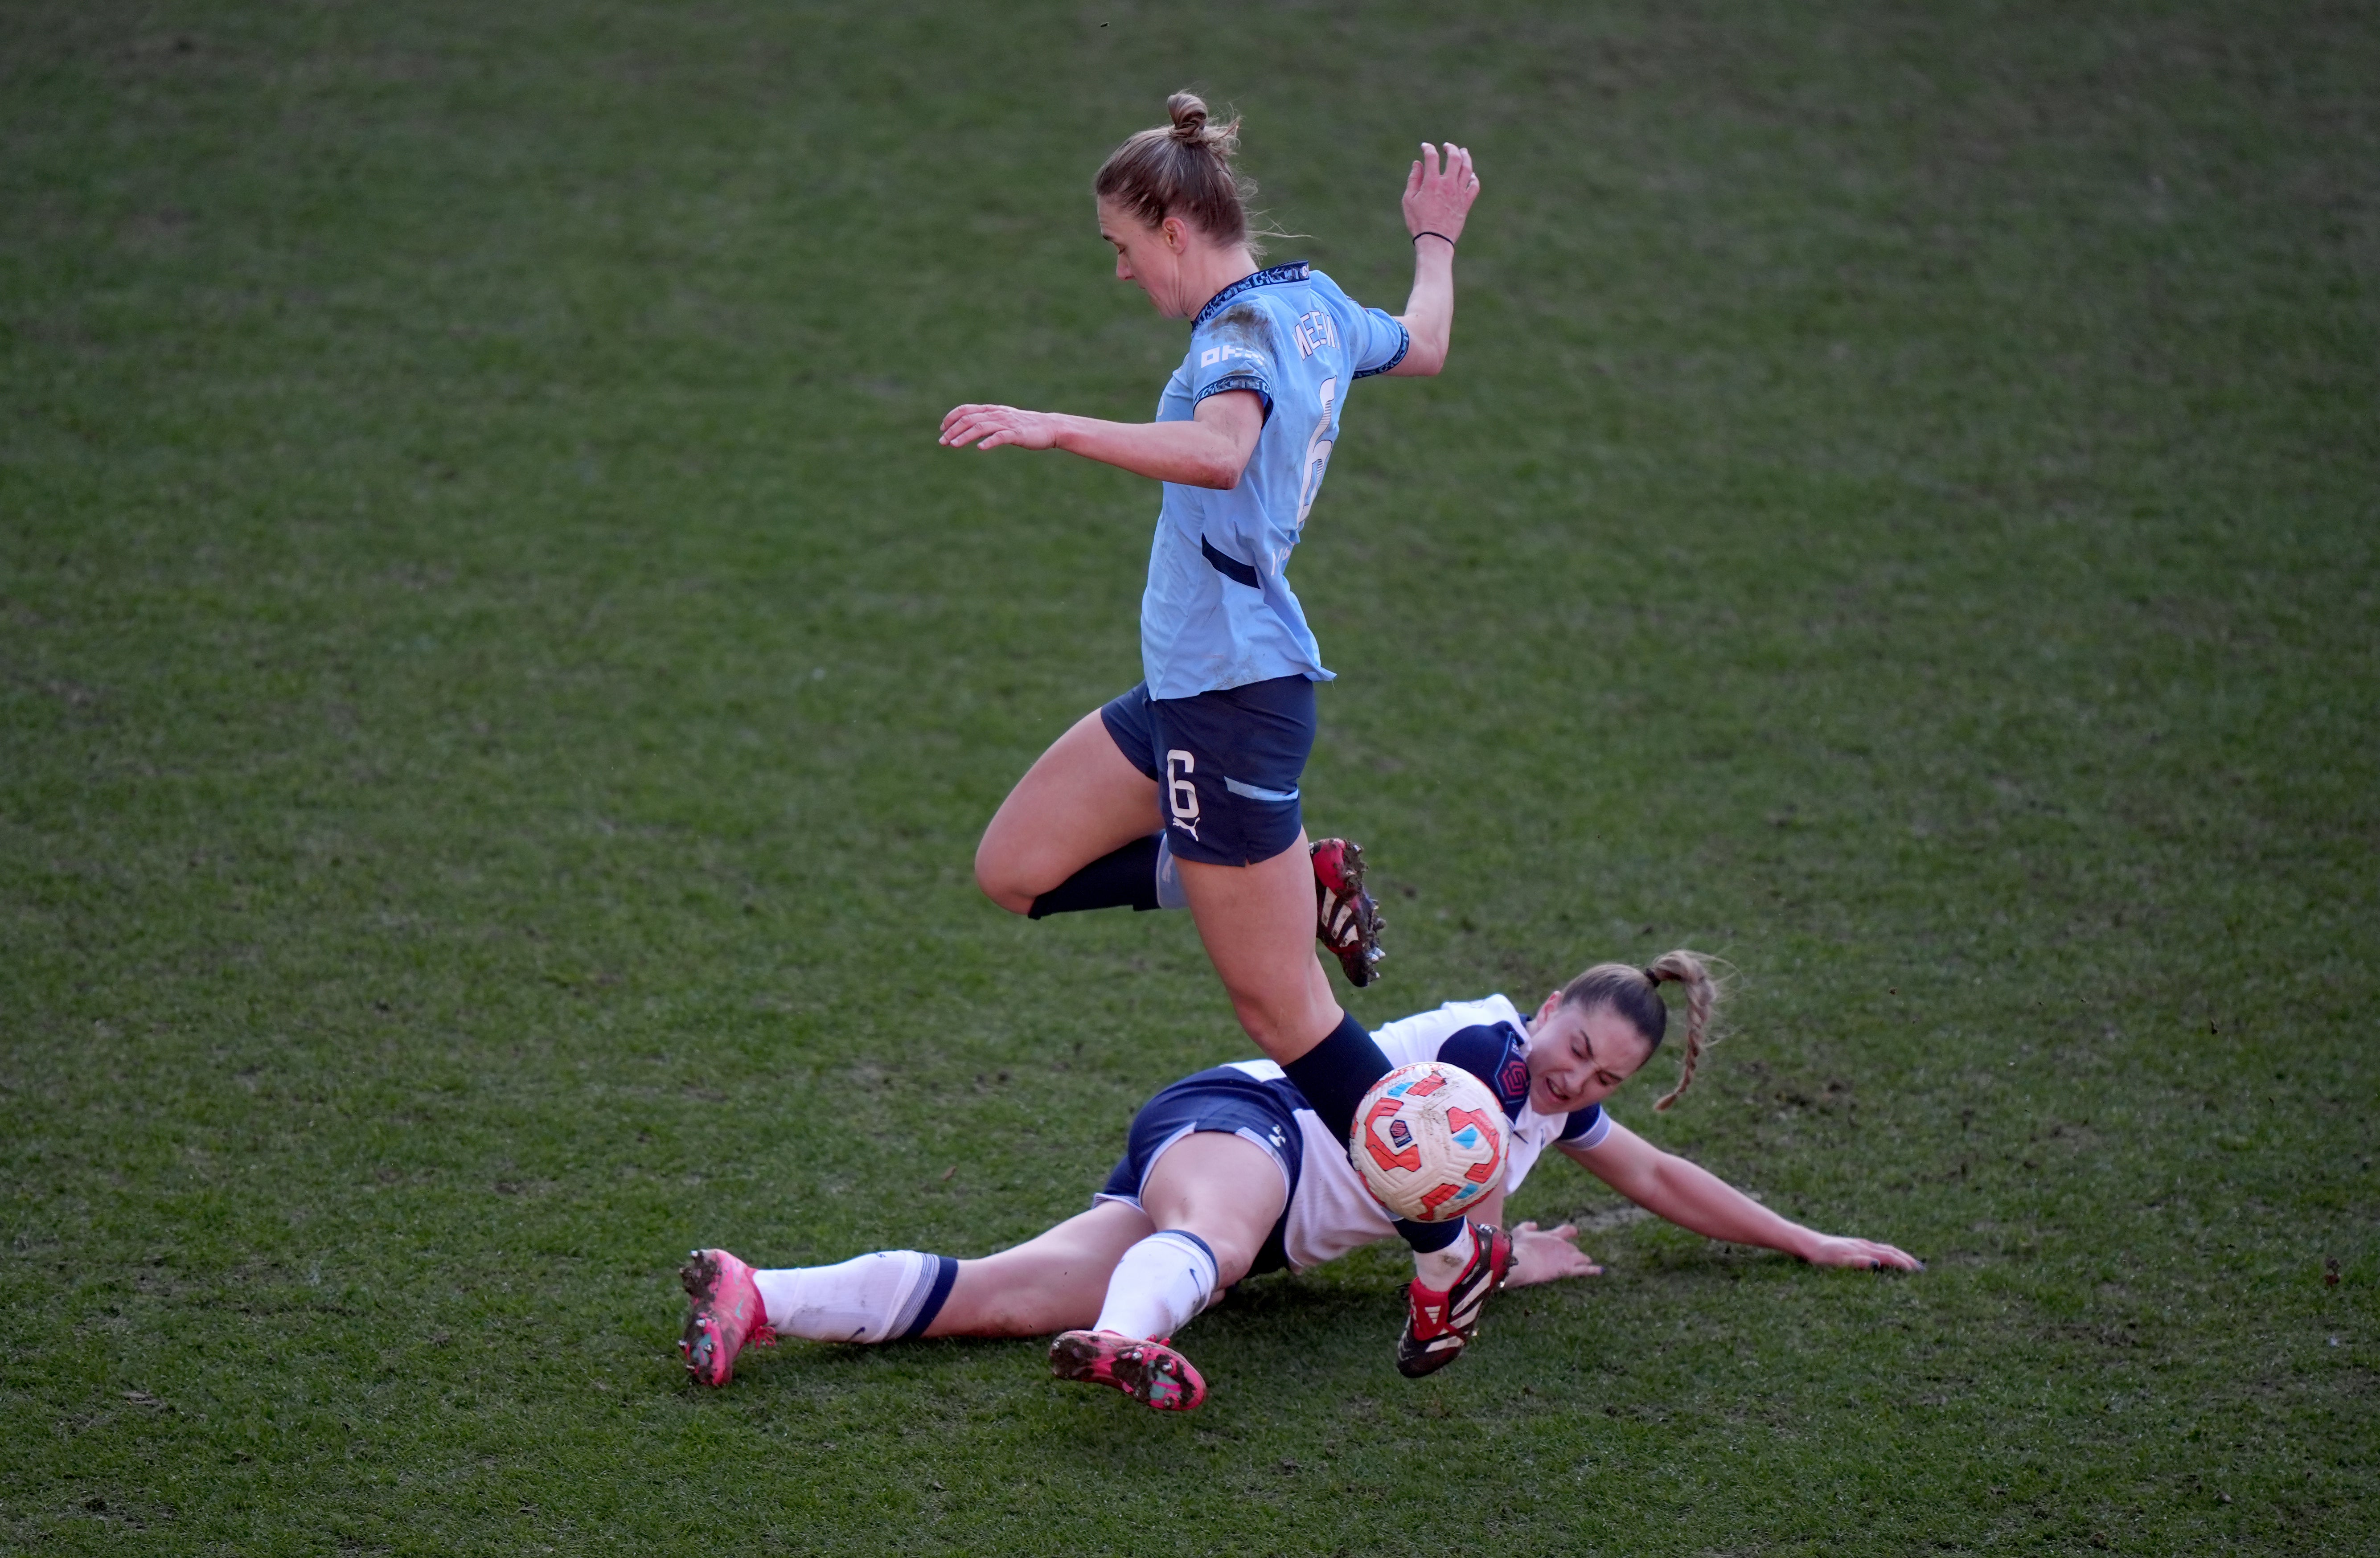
column 1701, row 999
column 1635, row 993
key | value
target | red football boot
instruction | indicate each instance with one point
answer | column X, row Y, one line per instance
column 1438, row 1324
column 1347, row 919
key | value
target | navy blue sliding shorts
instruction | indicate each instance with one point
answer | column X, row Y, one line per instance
column 1225, row 1099
column 1227, row 765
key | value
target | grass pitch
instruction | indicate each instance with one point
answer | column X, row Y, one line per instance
column 498, row 690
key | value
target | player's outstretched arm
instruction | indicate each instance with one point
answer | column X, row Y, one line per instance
column 1210, row 450
column 1699, row 1200
column 1438, row 192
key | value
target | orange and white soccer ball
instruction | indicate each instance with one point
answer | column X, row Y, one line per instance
column 1429, row 1142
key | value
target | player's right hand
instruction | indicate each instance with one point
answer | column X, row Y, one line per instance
column 1541, row 1255
column 988, row 427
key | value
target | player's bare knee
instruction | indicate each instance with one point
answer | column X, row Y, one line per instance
column 997, row 878
column 1233, row 1262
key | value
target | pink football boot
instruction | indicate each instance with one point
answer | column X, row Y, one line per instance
column 1150, row 1372
column 726, row 1315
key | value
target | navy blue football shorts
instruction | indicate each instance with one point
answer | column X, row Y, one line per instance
column 1227, row 765
column 1228, row 1099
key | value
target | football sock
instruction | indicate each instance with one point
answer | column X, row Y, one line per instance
column 1334, row 1076
column 1159, row 1284
column 1428, row 1238
column 879, row 1297
column 1125, row 877
column 1437, row 1269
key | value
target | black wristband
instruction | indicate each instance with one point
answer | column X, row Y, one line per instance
column 1441, row 237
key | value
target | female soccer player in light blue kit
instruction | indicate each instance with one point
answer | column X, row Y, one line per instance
column 1184, row 792
column 1230, row 1173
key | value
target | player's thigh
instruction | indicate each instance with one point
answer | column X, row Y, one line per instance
column 1081, row 800
column 1055, row 1280
column 1222, row 1188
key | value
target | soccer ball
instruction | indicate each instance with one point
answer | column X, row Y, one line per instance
column 1429, row 1140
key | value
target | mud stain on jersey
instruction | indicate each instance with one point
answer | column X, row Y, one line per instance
column 1243, row 324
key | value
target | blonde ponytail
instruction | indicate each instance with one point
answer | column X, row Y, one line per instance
column 1702, row 1001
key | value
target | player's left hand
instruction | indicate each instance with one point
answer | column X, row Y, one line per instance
column 1835, row 1250
column 1548, row 1255
column 1439, row 190
column 988, row 427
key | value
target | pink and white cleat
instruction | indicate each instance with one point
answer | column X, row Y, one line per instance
column 1150, row 1372
column 727, row 1314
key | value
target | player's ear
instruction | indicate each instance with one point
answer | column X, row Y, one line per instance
column 1552, row 1003
column 1176, row 233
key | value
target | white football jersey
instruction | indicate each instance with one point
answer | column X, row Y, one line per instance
column 1331, row 1212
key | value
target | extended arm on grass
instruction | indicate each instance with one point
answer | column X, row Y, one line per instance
column 1210, row 450
column 1696, row 1199
column 1438, row 202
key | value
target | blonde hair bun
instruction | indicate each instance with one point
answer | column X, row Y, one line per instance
column 1182, row 169
column 1188, row 112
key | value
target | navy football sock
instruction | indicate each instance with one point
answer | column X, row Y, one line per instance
column 1125, row 876
column 1334, row 1076
column 1423, row 1237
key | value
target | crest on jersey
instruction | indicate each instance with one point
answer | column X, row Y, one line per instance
column 1512, row 1081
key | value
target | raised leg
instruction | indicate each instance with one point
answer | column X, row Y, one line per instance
column 1081, row 800
column 1256, row 921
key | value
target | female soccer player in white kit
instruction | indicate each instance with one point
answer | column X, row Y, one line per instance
column 1230, row 1173
column 1184, row 792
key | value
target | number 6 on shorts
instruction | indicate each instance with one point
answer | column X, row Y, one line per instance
column 1179, row 794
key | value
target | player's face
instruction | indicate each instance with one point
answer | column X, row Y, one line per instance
column 1578, row 1058
column 1150, row 258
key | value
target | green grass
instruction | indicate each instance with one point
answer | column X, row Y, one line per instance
column 498, row 690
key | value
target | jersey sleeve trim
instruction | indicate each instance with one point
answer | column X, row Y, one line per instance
column 1585, row 1128
column 1404, row 345
column 1240, row 382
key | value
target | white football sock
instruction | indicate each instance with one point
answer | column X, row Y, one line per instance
column 1438, row 1268
column 878, row 1297
column 1159, row 1284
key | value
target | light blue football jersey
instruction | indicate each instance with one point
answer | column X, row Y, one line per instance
column 1219, row 612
